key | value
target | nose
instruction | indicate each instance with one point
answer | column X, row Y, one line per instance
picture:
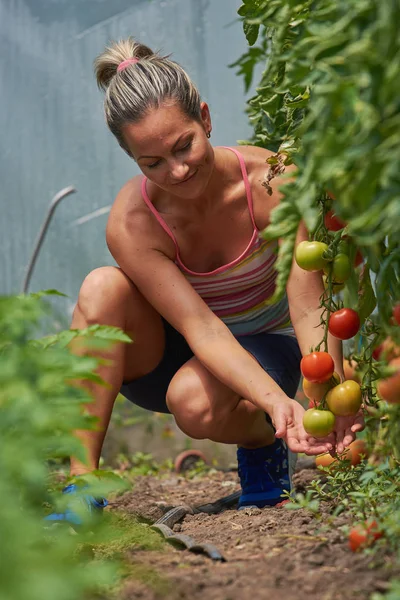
column 179, row 171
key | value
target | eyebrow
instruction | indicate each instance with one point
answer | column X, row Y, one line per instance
column 175, row 144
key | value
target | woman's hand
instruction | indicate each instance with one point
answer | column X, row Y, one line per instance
column 287, row 418
column 345, row 430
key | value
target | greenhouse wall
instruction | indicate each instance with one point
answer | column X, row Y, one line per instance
column 52, row 124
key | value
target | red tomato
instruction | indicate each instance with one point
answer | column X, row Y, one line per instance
column 309, row 255
column 363, row 535
column 332, row 222
column 317, row 367
column 389, row 389
column 344, row 323
column 358, row 259
column 344, row 399
column 396, row 313
column 376, row 353
column 318, row 423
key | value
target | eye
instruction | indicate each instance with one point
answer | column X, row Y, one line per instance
column 153, row 165
column 185, row 147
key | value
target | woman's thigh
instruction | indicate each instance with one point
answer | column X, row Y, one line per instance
column 150, row 391
column 189, row 381
column 195, row 393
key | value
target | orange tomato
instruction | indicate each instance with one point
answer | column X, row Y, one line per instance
column 344, row 399
column 316, row 391
column 389, row 350
column 358, row 449
column 354, row 452
column 389, row 388
column 364, row 535
column 349, row 369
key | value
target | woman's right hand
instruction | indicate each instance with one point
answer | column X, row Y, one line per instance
column 287, row 418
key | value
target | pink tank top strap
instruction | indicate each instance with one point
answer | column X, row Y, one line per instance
column 246, row 183
column 157, row 214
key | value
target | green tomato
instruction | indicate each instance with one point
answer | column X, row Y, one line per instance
column 318, row 423
column 340, row 267
column 336, row 287
column 309, row 255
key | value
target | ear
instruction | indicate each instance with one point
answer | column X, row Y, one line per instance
column 205, row 117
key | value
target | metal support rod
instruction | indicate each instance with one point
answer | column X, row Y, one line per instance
column 53, row 205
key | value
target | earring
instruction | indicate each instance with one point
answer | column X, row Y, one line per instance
column 208, row 134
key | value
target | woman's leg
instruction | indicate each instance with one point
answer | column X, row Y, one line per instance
column 108, row 297
column 206, row 408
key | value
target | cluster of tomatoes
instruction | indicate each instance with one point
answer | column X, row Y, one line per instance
column 389, row 388
column 321, row 383
column 310, row 256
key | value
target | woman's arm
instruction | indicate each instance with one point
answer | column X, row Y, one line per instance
column 141, row 255
column 304, row 290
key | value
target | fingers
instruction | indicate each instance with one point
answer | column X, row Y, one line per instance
column 280, row 425
column 309, row 446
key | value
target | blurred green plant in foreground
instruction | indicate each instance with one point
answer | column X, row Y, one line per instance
column 39, row 409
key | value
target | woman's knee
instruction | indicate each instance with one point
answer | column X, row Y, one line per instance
column 188, row 402
column 104, row 296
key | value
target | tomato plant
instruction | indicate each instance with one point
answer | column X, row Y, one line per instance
column 318, row 423
column 317, row 367
column 309, row 255
column 344, row 323
column 330, row 117
column 344, row 399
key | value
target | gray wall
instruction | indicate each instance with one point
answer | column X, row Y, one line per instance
column 52, row 127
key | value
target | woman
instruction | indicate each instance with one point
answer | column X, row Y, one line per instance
column 192, row 282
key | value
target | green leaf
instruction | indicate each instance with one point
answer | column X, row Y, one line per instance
column 366, row 296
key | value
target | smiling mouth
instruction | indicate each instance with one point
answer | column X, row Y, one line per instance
column 187, row 179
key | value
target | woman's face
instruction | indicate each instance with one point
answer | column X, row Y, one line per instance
column 172, row 149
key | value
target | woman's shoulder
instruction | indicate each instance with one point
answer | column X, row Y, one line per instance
column 130, row 218
column 254, row 156
column 264, row 182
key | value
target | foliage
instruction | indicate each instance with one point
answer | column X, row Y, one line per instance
column 328, row 102
column 39, row 410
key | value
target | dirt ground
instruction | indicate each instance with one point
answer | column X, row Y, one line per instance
column 273, row 553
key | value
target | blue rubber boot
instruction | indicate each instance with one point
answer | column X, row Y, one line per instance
column 92, row 506
column 265, row 474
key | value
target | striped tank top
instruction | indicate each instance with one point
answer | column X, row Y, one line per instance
column 237, row 292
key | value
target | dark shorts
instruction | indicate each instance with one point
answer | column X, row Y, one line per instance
column 279, row 356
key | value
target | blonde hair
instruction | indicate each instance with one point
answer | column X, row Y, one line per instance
column 131, row 92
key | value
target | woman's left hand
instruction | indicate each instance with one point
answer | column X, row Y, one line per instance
column 346, row 429
column 345, row 432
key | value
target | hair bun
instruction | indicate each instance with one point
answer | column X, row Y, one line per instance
column 106, row 64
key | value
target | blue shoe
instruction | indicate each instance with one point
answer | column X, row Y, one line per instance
column 265, row 474
column 92, row 506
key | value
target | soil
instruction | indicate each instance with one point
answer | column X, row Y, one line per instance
column 273, row 553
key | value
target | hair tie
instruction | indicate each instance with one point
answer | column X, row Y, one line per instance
column 125, row 63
